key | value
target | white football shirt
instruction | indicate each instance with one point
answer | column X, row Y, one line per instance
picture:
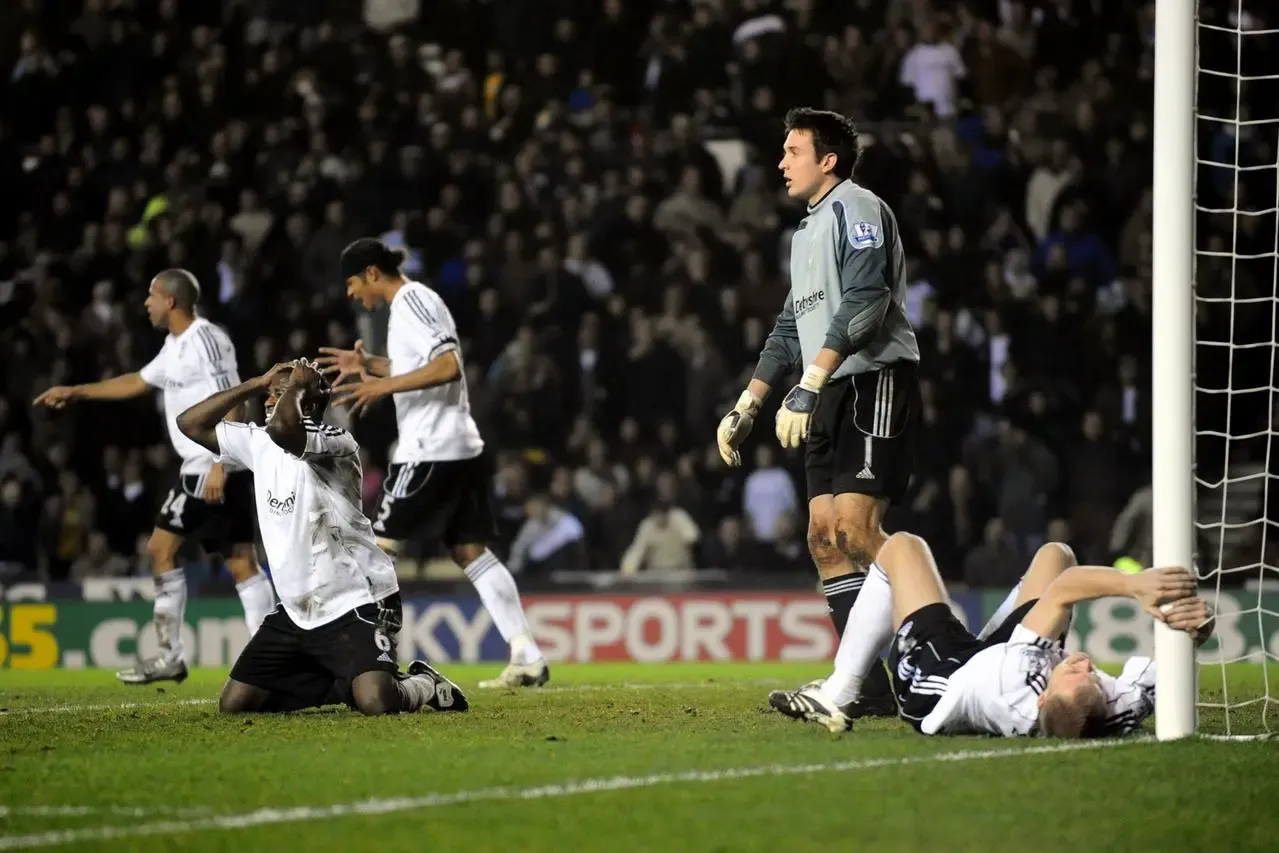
column 996, row 692
column 320, row 547
column 435, row 424
column 190, row 368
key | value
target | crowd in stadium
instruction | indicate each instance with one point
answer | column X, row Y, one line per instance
column 592, row 189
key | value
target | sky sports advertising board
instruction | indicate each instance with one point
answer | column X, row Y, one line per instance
column 722, row 626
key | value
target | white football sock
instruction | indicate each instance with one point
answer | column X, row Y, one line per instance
column 258, row 599
column 170, row 611
column 501, row 598
column 870, row 626
column 1001, row 613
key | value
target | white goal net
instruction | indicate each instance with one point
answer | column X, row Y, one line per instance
column 1236, row 401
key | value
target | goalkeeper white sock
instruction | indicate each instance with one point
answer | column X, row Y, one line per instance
column 258, row 599
column 870, row 626
column 1001, row 613
column 501, row 598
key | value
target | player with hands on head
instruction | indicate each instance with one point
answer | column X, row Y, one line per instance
column 1014, row 677
column 211, row 501
column 844, row 329
column 439, row 484
column 333, row 637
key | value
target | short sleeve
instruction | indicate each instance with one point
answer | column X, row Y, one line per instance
column 323, row 440
column 235, row 443
column 219, row 353
column 1023, row 636
column 427, row 325
column 152, row 372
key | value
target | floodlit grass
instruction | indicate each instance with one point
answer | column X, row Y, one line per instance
column 613, row 758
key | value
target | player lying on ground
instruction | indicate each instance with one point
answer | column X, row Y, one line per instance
column 333, row 637
column 844, row 326
column 1015, row 678
column 438, row 487
column 211, row 501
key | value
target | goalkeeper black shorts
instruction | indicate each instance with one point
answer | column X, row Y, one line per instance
column 862, row 437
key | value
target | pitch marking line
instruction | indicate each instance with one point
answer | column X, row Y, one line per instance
column 302, row 814
column 567, row 688
column 93, row 811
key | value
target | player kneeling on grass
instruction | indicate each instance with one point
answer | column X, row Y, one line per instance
column 333, row 638
column 1014, row 678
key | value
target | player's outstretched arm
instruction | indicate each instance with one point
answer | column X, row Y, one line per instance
column 1150, row 589
column 441, row 370
column 124, row 387
column 199, row 423
column 779, row 357
column 341, row 364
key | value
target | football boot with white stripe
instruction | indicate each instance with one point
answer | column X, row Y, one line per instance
column 152, row 670
column 533, row 674
column 810, row 704
column 444, row 695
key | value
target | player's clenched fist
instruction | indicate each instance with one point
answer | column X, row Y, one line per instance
column 734, row 428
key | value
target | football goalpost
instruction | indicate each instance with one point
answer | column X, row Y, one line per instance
column 1215, row 446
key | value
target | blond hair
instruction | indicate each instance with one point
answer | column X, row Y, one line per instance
column 1081, row 714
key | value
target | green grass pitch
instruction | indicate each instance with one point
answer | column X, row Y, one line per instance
column 611, row 758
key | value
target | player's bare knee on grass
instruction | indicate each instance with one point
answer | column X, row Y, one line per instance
column 1051, row 560
column 240, row 698
column 376, row 693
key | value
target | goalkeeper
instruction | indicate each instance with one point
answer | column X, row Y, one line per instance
column 1014, row 678
column 843, row 324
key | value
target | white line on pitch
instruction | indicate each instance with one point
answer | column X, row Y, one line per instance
column 91, row 811
column 566, row 688
column 302, row 814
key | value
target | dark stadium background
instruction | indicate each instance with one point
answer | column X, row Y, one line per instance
column 591, row 186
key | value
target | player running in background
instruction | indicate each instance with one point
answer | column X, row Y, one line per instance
column 212, row 501
column 844, row 325
column 438, row 485
column 1014, row 678
column 333, row 638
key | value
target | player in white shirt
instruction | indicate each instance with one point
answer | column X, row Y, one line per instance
column 1012, row 679
column 333, row 635
column 439, row 484
column 212, row 501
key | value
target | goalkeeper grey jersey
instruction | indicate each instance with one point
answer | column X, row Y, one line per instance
column 848, row 290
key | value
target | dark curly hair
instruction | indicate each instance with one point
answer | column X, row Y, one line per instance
column 832, row 134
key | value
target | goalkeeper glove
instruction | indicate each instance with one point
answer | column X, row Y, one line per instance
column 734, row 428
column 797, row 408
